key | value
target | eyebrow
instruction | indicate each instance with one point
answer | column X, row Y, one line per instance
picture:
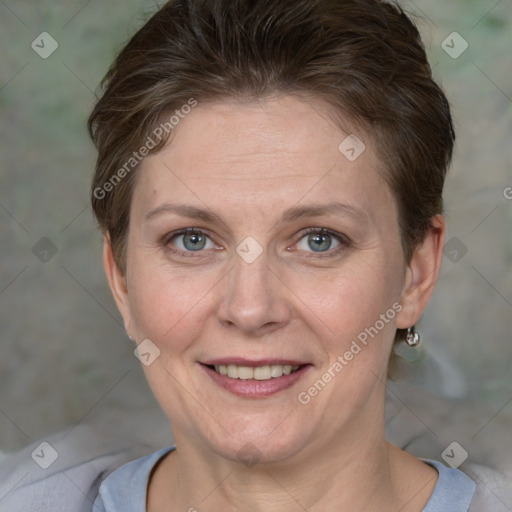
column 184, row 210
column 293, row 214
column 323, row 210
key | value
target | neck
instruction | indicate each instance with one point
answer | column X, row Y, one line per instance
column 354, row 474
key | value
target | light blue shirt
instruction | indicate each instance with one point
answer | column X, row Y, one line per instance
column 87, row 457
column 126, row 488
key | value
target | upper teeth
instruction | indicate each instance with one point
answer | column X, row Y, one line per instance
column 258, row 372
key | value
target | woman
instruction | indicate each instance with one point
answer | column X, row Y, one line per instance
column 269, row 185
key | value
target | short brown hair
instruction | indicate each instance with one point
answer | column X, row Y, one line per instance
column 364, row 57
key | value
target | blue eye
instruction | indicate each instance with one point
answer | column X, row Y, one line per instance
column 320, row 240
column 191, row 240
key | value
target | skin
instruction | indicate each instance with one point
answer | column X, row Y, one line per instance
column 249, row 163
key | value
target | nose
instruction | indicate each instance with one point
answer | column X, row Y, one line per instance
column 254, row 298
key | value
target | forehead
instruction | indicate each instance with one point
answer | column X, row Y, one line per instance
column 281, row 150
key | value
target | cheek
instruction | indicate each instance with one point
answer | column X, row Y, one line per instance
column 350, row 295
column 166, row 302
column 358, row 303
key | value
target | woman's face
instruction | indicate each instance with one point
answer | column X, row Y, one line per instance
column 292, row 257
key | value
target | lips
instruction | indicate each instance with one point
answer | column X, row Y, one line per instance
column 253, row 379
column 241, row 361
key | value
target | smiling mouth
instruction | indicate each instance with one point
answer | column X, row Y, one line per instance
column 265, row 372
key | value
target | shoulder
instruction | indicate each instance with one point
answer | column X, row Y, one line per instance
column 453, row 488
column 125, row 489
column 60, row 473
column 493, row 489
column 477, row 489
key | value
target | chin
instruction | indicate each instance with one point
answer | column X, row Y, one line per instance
column 260, row 442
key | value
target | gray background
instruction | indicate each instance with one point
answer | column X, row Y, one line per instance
column 65, row 359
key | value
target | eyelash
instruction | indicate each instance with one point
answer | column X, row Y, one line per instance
column 187, row 254
column 342, row 239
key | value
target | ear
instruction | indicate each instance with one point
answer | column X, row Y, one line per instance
column 422, row 274
column 117, row 282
